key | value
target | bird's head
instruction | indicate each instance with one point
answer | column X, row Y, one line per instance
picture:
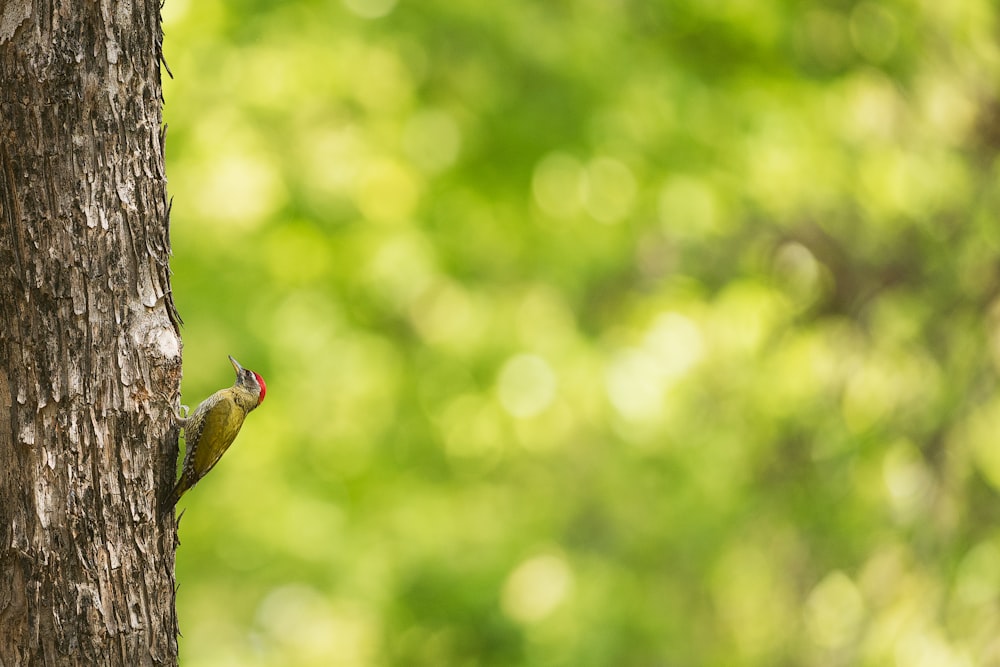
column 249, row 380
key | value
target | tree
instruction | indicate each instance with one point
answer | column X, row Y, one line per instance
column 90, row 357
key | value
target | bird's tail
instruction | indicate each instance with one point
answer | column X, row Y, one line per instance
column 175, row 495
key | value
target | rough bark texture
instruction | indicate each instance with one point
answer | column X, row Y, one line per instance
column 89, row 351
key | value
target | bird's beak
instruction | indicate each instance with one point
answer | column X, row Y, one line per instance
column 235, row 364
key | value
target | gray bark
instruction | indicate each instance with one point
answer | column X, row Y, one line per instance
column 89, row 349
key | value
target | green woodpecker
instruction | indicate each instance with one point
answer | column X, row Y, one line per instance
column 214, row 425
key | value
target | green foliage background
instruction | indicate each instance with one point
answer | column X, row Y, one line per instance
column 596, row 332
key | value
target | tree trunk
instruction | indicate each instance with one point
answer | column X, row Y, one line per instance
column 89, row 349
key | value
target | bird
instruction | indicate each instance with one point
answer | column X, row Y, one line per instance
column 215, row 423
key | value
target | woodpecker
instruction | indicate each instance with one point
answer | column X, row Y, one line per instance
column 213, row 426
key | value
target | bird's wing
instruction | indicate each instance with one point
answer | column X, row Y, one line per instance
column 221, row 425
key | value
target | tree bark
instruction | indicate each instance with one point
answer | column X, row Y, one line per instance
column 89, row 349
